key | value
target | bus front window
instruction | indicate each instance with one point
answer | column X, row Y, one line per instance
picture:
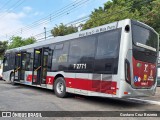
column 143, row 37
column 145, row 44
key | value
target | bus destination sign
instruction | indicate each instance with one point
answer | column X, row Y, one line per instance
column 98, row 30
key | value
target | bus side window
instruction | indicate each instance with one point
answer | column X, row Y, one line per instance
column 106, row 59
column 30, row 65
column 75, row 53
column 57, row 52
column 29, row 60
column 81, row 54
column 60, row 56
column 11, row 60
column 82, row 49
column 5, row 63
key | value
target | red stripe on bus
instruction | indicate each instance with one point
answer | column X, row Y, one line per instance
column 108, row 87
column 50, row 80
column 29, row 78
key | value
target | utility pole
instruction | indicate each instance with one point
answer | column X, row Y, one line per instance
column 45, row 32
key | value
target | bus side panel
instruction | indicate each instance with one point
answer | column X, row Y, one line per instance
column 125, row 54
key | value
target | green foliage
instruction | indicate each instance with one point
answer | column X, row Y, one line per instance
column 146, row 11
column 29, row 40
column 18, row 42
column 3, row 47
column 62, row 30
column 152, row 15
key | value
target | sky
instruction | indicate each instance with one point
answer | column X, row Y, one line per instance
column 28, row 18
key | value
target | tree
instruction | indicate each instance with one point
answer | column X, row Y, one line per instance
column 152, row 15
column 3, row 47
column 18, row 42
column 62, row 30
column 29, row 40
column 146, row 11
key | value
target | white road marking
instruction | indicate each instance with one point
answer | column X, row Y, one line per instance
column 147, row 101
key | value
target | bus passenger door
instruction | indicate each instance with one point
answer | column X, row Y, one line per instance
column 17, row 67
column 37, row 67
column 24, row 61
column 42, row 59
column 46, row 64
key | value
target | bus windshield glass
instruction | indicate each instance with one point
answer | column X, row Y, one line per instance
column 144, row 38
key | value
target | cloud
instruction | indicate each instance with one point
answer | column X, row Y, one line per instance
column 13, row 24
column 10, row 22
column 14, row 16
column 27, row 9
column 38, row 13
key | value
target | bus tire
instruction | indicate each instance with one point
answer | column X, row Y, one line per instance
column 60, row 87
column 12, row 79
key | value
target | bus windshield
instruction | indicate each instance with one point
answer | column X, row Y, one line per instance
column 144, row 38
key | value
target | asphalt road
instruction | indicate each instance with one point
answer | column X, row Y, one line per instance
column 27, row 98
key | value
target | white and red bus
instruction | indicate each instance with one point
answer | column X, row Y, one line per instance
column 114, row 60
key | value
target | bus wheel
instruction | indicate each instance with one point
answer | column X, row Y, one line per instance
column 12, row 79
column 60, row 87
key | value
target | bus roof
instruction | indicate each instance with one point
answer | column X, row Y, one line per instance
column 88, row 32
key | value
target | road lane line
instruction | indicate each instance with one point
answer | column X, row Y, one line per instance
column 147, row 101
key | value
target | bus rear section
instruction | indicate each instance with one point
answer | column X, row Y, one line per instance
column 141, row 62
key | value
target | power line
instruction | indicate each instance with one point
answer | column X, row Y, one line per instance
column 116, row 12
column 76, row 23
column 5, row 4
column 55, row 12
column 14, row 6
column 56, row 16
column 71, row 23
column 108, row 15
column 61, row 10
column 59, row 13
column 80, row 20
